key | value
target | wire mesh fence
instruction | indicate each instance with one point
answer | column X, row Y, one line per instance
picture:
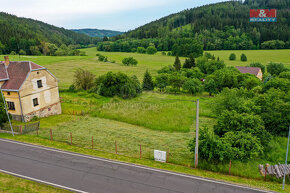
column 21, row 129
column 114, row 146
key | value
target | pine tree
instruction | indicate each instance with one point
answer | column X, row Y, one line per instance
column 147, row 81
column 177, row 64
column 189, row 63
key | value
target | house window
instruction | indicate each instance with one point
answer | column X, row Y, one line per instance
column 35, row 102
column 11, row 106
column 39, row 83
column 8, row 93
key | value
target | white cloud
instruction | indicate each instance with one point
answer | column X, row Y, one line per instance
column 57, row 11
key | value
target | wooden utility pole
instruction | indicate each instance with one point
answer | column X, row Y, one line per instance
column 196, row 134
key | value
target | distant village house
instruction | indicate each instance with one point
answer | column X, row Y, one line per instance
column 251, row 70
column 29, row 89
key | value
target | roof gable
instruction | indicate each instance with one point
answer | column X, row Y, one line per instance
column 17, row 73
column 3, row 72
column 250, row 70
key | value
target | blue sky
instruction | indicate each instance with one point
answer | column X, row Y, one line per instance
column 119, row 15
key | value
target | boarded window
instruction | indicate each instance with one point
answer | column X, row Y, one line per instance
column 39, row 83
column 11, row 106
column 35, row 102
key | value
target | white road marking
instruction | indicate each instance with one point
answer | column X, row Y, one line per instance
column 133, row 165
column 41, row 181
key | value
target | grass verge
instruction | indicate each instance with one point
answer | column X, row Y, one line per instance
column 265, row 185
column 11, row 184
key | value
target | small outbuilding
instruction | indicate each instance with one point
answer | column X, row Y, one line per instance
column 251, row 70
column 29, row 89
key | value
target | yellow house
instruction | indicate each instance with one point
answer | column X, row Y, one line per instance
column 29, row 89
column 251, row 70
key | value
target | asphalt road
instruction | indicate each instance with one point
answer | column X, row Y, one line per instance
column 80, row 173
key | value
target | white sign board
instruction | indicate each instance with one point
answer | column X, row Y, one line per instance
column 160, row 156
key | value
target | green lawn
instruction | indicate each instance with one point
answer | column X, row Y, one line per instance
column 11, row 184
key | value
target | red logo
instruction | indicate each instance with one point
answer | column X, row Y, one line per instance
column 263, row 13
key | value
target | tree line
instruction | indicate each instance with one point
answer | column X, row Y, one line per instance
column 221, row 26
column 33, row 37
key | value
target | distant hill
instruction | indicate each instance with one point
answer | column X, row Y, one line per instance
column 219, row 26
column 220, row 16
column 22, row 33
column 98, row 32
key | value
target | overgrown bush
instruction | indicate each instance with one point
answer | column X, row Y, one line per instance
column 22, row 52
column 130, row 61
column 211, row 147
column 162, row 81
column 193, row 86
column 141, row 50
column 232, row 121
column 166, row 69
column 209, row 66
column 102, row 58
column 83, row 79
column 151, row 50
column 285, row 75
column 232, row 56
column 117, row 84
column 244, row 58
column 276, row 68
column 242, row 146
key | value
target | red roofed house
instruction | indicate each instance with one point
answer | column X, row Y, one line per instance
column 29, row 89
column 251, row 70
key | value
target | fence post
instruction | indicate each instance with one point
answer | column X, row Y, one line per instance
column 38, row 127
column 140, row 151
column 21, row 129
column 92, row 142
column 51, row 137
column 167, row 157
column 230, row 167
column 116, row 147
column 71, row 138
column 265, row 171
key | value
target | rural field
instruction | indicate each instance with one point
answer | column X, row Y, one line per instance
column 63, row 67
column 154, row 120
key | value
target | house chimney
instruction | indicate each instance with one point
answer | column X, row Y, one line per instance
column 6, row 58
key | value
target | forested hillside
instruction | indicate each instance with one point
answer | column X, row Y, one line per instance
column 216, row 27
column 33, row 37
column 98, row 32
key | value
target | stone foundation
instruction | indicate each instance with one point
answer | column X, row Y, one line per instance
column 54, row 109
column 16, row 117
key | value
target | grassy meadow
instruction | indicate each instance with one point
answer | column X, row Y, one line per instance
column 262, row 56
column 63, row 67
